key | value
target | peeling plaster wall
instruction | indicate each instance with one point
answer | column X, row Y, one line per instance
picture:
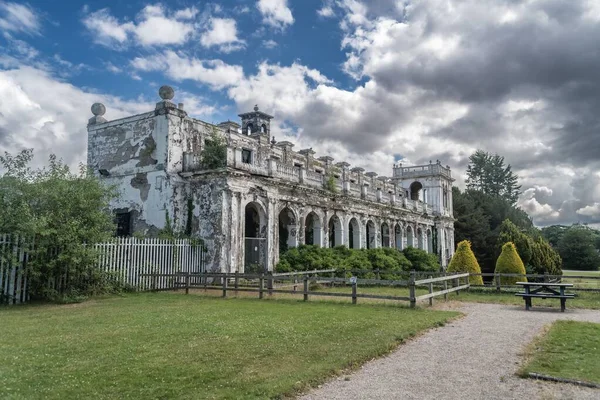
column 134, row 152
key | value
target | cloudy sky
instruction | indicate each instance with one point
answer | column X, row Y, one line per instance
column 367, row 81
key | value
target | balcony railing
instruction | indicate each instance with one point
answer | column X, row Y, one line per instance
column 191, row 163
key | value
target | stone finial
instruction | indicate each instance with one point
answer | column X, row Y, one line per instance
column 166, row 92
column 256, row 107
column 98, row 110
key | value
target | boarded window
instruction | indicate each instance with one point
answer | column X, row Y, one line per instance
column 123, row 221
column 246, row 156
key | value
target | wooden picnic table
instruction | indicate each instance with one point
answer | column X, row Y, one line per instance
column 551, row 290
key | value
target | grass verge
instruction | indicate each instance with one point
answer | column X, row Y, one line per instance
column 172, row 346
column 568, row 350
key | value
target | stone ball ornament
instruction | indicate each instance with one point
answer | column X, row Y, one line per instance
column 166, row 92
column 98, row 109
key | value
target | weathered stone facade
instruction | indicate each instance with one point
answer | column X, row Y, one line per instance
column 266, row 197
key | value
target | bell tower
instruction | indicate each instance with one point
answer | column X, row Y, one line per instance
column 256, row 122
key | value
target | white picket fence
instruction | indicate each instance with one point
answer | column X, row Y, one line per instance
column 128, row 259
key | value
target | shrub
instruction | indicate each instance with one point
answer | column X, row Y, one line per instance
column 509, row 262
column 464, row 260
column 421, row 260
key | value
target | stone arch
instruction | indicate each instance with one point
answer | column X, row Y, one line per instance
column 398, row 237
column 420, row 241
column 429, row 241
column 415, row 190
column 385, row 235
column 335, row 231
column 312, row 229
column 255, row 236
column 288, row 229
column 353, row 234
column 410, row 241
column 263, row 128
column 371, row 234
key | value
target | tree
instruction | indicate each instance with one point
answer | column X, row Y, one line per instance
column 214, row 154
column 63, row 214
column 463, row 261
column 554, row 233
column 509, row 262
column 488, row 174
column 577, row 249
column 510, row 233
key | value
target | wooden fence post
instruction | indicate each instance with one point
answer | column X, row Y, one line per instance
column 411, row 287
column 445, row 288
column 456, row 284
column 306, row 288
column 225, row 285
column 354, row 298
column 497, row 279
column 377, row 274
column 261, row 286
column 467, row 282
column 187, row 283
column 270, row 283
column 430, row 290
column 546, row 279
column 205, row 281
column 236, row 282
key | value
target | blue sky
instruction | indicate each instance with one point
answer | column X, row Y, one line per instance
column 365, row 81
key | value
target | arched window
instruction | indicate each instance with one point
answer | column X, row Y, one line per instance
column 415, row 189
column 263, row 128
column 249, row 129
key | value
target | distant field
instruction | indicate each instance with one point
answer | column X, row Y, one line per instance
column 582, row 282
column 173, row 346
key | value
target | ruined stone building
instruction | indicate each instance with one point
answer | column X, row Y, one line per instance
column 261, row 196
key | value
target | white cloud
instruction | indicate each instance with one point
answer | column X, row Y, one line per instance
column 17, row 17
column 214, row 73
column 269, row 44
column 537, row 210
column 326, row 11
column 33, row 117
column 590, row 210
column 154, row 26
column 222, row 33
column 275, row 13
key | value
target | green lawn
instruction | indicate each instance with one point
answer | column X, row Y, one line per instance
column 173, row 346
column 569, row 350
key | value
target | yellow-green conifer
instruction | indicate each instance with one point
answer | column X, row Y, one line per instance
column 463, row 261
column 509, row 262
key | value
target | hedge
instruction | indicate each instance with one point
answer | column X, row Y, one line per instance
column 463, row 261
column 395, row 264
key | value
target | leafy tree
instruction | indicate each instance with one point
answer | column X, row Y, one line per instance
column 463, row 261
column 62, row 213
column 488, row 174
column 214, row 154
column 478, row 219
column 510, row 233
column 577, row 249
column 554, row 233
column 509, row 262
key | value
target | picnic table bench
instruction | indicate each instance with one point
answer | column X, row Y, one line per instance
column 545, row 290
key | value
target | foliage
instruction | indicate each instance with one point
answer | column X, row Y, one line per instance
column 577, row 248
column 463, row 261
column 478, row 219
column 358, row 262
column 488, row 174
column 421, row 260
column 214, row 154
column 156, row 345
column 330, row 183
column 578, row 245
column 570, row 349
column 62, row 213
column 509, row 262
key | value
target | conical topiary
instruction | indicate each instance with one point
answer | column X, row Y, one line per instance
column 464, row 261
column 509, row 262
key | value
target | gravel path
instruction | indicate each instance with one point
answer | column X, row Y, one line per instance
column 475, row 357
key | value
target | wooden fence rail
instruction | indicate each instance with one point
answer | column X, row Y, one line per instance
column 222, row 282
